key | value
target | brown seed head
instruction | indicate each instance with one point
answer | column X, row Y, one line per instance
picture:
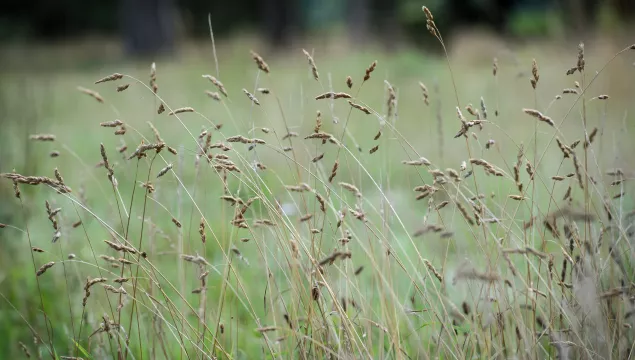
column 262, row 65
column 113, row 77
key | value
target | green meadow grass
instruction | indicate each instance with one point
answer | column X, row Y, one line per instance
column 395, row 307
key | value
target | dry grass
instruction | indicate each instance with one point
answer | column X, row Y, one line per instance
column 241, row 225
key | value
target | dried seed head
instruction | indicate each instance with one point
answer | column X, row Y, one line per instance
column 216, row 83
column 44, row 267
column 42, row 137
column 114, row 123
column 591, row 138
column 359, row 107
column 181, row 110
column 316, row 76
column 534, row 72
column 580, row 64
column 262, row 65
column 333, row 95
column 352, row 188
column 113, row 77
column 123, row 87
column 538, row 115
column 213, row 95
column 251, row 97
column 349, row 82
column 433, row 270
column 95, row 95
column 424, row 91
column 164, row 170
column 369, row 70
column 161, row 109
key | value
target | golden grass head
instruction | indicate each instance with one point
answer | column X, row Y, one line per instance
column 262, row 65
column 94, row 94
column 369, row 70
column 314, row 70
column 113, row 77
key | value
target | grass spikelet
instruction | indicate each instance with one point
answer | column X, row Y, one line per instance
column 321, row 201
column 24, row 349
column 306, row 217
column 114, row 123
column 375, row 148
column 581, row 62
column 441, row 205
column 333, row 95
column 262, row 65
column 164, row 170
column 534, row 72
column 421, row 162
column 42, row 137
column 161, row 109
column 94, row 94
column 44, row 267
column 317, row 158
column 352, row 188
column 538, row 115
column 369, row 70
column 334, row 171
column 591, row 137
column 123, row 87
column 251, row 97
column 516, row 197
column 314, row 70
column 216, row 83
column 334, row 256
column 433, row 270
column 213, row 95
column 578, row 170
column 176, row 222
column 424, row 91
column 349, row 82
column 181, row 110
column 113, row 77
column 464, row 212
column 566, row 150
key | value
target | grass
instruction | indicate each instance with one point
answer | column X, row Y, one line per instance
column 376, row 274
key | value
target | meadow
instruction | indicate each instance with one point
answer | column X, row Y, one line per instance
column 327, row 203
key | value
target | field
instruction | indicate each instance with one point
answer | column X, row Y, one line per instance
column 267, row 224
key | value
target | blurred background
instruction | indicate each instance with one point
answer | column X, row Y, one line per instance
column 48, row 48
column 153, row 27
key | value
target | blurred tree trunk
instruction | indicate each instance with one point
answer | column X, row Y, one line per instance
column 148, row 26
column 580, row 15
column 625, row 9
column 386, row 11
column 358, row 18
column 281, row 21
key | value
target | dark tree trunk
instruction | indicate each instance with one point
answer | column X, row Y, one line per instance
column 148, row 26
column 358, row 14
column 281, row 21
